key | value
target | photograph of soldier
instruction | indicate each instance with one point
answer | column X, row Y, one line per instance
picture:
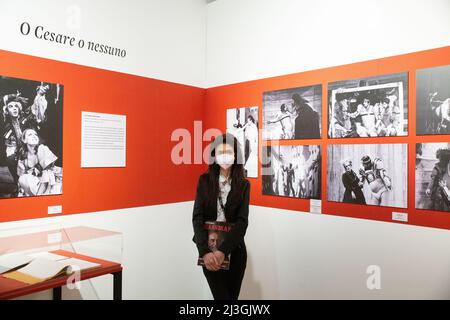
column 243, row 124
column 433, row 176
column 292, row 113
column 433, row 100
column 373, row 174
column 292, row 171
column 31, row 138
column 369, row 107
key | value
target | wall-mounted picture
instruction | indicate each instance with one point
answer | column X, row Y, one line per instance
column 30, row 138
column 243, row 124
column 433, row 176
column 372, row 174
column 293, row 113
column 292, row 171
column 433, row 100
column 368, row 107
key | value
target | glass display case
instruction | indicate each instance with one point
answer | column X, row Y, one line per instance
column 85, row 255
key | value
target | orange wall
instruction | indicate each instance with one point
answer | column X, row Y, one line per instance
column 153, row 108
column 250, row 94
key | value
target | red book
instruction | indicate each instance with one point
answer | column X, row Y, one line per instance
column 217, row 233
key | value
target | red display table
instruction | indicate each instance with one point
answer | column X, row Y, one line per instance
column 10, row 289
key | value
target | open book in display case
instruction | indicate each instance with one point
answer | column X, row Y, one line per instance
column 35, row 259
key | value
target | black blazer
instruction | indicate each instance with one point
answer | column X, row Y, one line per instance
column 236, row 213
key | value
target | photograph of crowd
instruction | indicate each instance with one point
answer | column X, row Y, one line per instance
column 30, row 138
column 433, row 176
column 243, row 124
column 368, row 107
column 373, row 174
column 292, row 171
column 292, row 113
column 433, row 100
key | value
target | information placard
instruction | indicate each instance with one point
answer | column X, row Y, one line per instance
column 103, row 140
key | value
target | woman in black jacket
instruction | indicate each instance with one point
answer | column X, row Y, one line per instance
column 223, row 194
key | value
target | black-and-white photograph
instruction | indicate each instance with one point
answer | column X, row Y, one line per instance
column 368, row 107
column 433, row 100
column 292, row 171
column 30, row 138
column 243, row 124
column 372, row 174
column 293, row 113
column 433, row 176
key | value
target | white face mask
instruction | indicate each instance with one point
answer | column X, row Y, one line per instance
column 225, row 160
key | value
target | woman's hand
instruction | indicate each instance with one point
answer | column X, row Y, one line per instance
column 211, row 262
column 220, row 256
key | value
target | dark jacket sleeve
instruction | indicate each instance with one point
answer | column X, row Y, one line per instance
column 316, row 125
column 200, row 233
column 346, row 181
column 237, row 233
column 434, row 181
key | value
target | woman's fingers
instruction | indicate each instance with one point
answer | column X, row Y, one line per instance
column 211, row 263
column 217, row 263
column 208, row 264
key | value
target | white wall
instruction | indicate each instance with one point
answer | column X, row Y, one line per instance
column 295, row 255
column 164, row 39
column 253, row 39
column 291, row 255
column 303, row 256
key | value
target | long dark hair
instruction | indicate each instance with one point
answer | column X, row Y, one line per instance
column 22, row 152
column 443, row 155
column 236, row 174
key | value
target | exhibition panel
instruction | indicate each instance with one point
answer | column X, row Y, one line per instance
column 368, row 145
column 377, row 104
column 40, row 97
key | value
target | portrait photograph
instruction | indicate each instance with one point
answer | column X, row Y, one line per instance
column 368, row 107
column 292, row 171
column 433, row 176
column 293, row 113
column 30, row 138
column 368, row 174
column 243, row 124
column 433, row 100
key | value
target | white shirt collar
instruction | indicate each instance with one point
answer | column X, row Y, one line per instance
column 222, row 179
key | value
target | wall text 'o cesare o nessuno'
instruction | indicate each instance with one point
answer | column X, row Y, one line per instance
column 39, row 32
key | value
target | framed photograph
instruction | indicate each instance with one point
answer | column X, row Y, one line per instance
column 30, row 138
column 292, row 171
column 368, row 107
column 433, row 176
column 372, row 174
column 243, row 124
column 293, row 113
column 433, row 101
